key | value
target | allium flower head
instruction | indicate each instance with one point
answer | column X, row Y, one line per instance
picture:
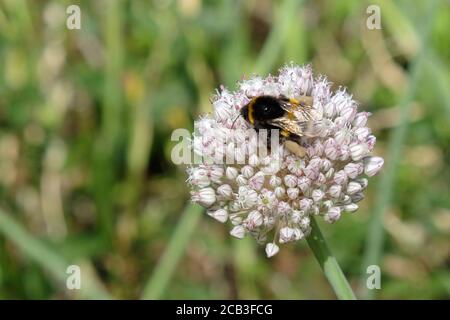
column 272, row 196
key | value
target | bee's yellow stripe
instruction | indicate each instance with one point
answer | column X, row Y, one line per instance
column 294, row 101
column 285, row 133
column 250, row 111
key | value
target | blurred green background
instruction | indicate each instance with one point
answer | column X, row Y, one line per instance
column 85, row 123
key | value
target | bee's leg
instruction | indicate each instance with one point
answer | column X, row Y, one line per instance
column 295, row 145
column 295, row 148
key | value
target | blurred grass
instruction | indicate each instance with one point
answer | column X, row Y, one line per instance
column 53, row 263
column 155, row 287
column 85, row 123
column 375, row 237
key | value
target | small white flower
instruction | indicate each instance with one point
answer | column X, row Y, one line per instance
column 298, row 234
column 225, row 191
column 360, row 119
column 358, row 150
column 327, row 204
column 238, row 232
column 290, row 181
column 287, row 234
column 257, row 181
column 329, row 174
column 271, row 249
column 231, row 173
column 247, row 197
column 304, row 183
column 296, row 216
column 216, row 173
column 254, row 219
column 335, row 191
column 331, row 150
column 329, row 110
column 372, row 165
column 304, row 223
column 348, row 113
column 247, row 171
column 293, row 193
column 241, row 180
column 317, row 195
column 275, row 181
column 362, row 133
column 305, row 204
column 199, row 177
column 267, row 200
column 333, row 214
column 353, row 169
column 280, row 192
column 284, row 208
column 340, row 178
column 371, row 140
column 220, row 215
column 295, row 165
column 312, row 171
column 326, row 165
column 352, row 207
column 353, row 187
column 205, row 197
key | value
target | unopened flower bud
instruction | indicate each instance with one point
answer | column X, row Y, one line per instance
column 225, row 191
column 353, row 187
column 205, row 197
column 290, row 181
column 317, row 195
column 372, row 165
column 335, row 191
column 353, row 169
column 358, row 151
column 238, row 232
column 280, row 192
column 293, row 193
column 247, row 171
column 333, row 214
column 275, row 181
column 231, row 173
column 352, row 207
column 271, row 249
column 220, row 215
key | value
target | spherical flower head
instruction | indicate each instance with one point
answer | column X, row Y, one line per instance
column 273, row 196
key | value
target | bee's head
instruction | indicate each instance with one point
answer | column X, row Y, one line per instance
column 262, row 108
column 265, row 108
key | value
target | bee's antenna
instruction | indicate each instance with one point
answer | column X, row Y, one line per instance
column 232, row 125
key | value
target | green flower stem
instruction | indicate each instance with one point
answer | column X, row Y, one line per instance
column 329, row 264
column 167, row 264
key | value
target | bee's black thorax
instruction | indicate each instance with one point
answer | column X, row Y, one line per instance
column 261, row 109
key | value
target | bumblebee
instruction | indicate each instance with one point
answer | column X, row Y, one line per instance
column 295, row 118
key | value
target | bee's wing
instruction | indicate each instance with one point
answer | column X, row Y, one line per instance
column 302, row 118
column 307, row 128
column 301, row 109
column 289, row 125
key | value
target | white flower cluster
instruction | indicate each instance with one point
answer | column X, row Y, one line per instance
column 272, row 197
